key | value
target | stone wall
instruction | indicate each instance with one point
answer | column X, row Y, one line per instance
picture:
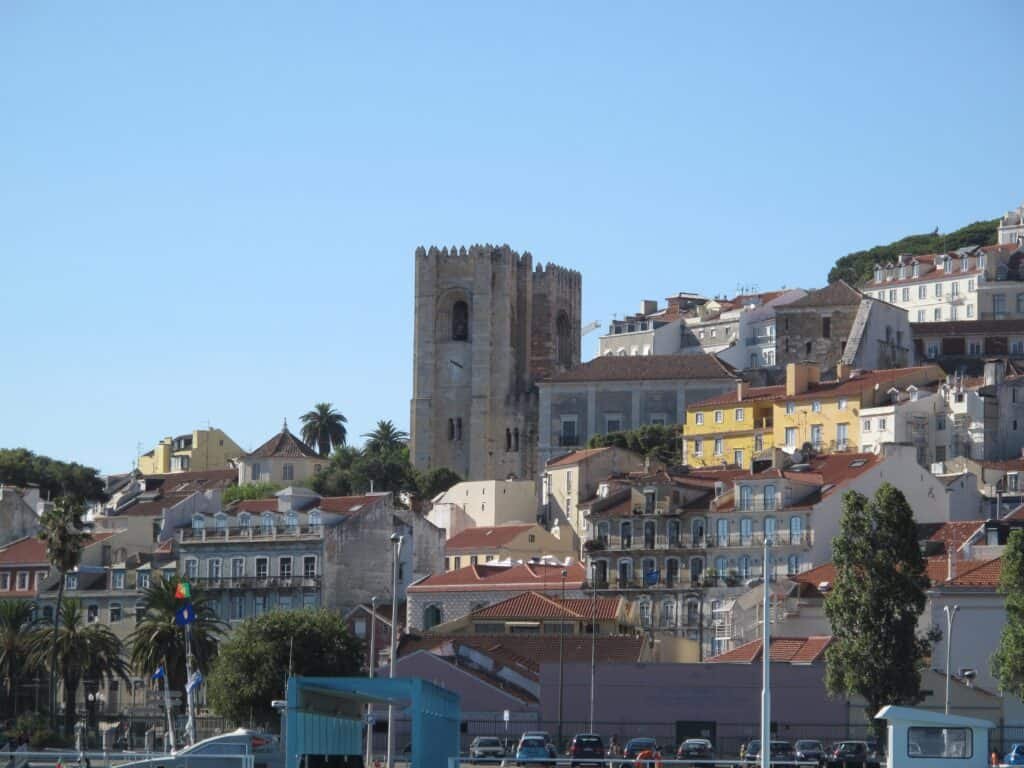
column 799, row 334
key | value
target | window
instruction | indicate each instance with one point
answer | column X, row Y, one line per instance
column 698, row 418
column 220, row 521
column 746, row 531
column 938, row 289
column 925, row 742
column 738, row 415
column 613, row 422
column 698, row 447
column 5, row 582
column 719, row 446
column 940, row 422
column 920, row 315
column 198, row 522
column 758, row 443
column 970, row 310
column 816, row 406
column 314, row 520
column 791, row 437
column 259, row 605
column 569, row 434
column 237, row 607
column 460, row 321
column 457, row 561
column 937, row 314
column 974, row 348
column 746, row 497
column 905, row 294
column 244, row 520
column 289, row 472
column 117, row 580
column 284, row 567
column 769, row 498
column 737, row 457
column 933, row 349
column 866, row 425
column 431, row 616
column 237, row 567
column 115, row 613
column 256, row 472
column 140, row 612
column 970, row 285
column 191, row 568
column 940, row 453
column 309, row 567
column 790, row 408
column 723, row 532
column 826, row 327
column 214, row 568
column 842, row 435
column 40, row 577
column 793, row 565
column 142, row 579
column 262, row 568
column 291, row 522
column 658, row 419
column 816, row 435
column 841, row 405
column 998, row 306
column 1016, row 347
column 922, row 291
column 626, row 535
column 892, row 295
column 953, row 313
column 92, row 614
column 954, row 289
column 645, row 613
column 668, row 613
column 719, row 417
column 267, row 523
column 473, row 559
column 881, row 424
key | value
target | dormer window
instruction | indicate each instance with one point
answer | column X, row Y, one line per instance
column 917, row 269
column 267, row 523
column 981, row 261
column 198, row 522
column 244, row 520
column 878, row 274
column 903, row 272
column 314, row 519
column 963, row 264
column 220, row 521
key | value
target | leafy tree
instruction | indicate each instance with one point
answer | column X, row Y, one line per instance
column 654, row 440
column 1008, row 660
column 157, row 640
column 250, row 491
column 336, row 478
column 16, row 620
column 856, row 268
column 254, row 662
column 384, row 471
column 875, row 603
column 84, row 652
column 384, row 438
column 324, row 427
column 62, row 529
column 20, row 466
column 435, row 481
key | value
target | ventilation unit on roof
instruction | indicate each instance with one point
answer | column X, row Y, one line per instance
column 800, row 468
column 824, row 586
column 858, row 462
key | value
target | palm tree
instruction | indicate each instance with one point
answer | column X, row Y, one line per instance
column 17, row 618
column 62, row 529
column 384, row 438
column 157, row 640
column 84, row 652
column 324, row 427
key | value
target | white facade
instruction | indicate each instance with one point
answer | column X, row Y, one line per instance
column 484, row 503
column 755, row 341
column 1011, row 228
column 641, row 336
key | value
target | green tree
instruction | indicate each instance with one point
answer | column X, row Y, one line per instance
column 336, row 478
column 384, row 471
column 654, row 440
column 254, row 662
column 157, row 640
column 324, row 427
column 384, row 438
column 84, row 652
column 249, row 491
column 62, row 529
column 16, row 621
column 435, row 481
column 875, row 603
column 20, row 466
column 1008, row 660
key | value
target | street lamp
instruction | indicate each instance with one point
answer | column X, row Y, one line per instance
column 766, row 652
column 561, row 662
column 593, row 647
column 950, row 615
column 396, row 543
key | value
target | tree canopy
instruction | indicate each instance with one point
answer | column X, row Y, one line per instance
column 856, row 268
column 254, row 661
column 1008, row 660
column 324, row 428
column 875, row 602
column 20, row 466
column 658, row 442
column 249, row 491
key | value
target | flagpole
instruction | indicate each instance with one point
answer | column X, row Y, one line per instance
column 191, row 723
column 167, row 706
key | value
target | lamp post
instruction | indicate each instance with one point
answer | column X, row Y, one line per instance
column 371, row 664
column 561, row 663
column 593, row 651
column 396, row 543
column 766, row 693
column 950, row 615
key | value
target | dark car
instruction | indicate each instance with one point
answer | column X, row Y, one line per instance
column 533, row 751
column 853, row 754
column 696, row 749
column 586, row 749
column 782, row 752
column 808, row 750
column 635, row 746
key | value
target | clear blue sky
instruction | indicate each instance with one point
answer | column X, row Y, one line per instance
column 208, row 211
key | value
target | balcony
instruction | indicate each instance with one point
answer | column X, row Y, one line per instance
column 756, row 539
column 252, row 533
column 211, row 583
column 758, row 504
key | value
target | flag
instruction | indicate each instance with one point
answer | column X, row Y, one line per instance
column 183, row 591
column 185, row 615
column 60, row 763
column 194, row 681
column 159, row 674
column 651, row 577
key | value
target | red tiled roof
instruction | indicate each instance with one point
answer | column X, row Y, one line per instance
column 839, row 293
column 1009, row 465
column 750, row 394
column 534, row 605
column 27, row 551
column 647, row 368
column 865, row 381
column 984, row 574
column 520, row 577
column 485, row 537
column 576, row 457
column 953, row 534
column 936, row 569
column 285, row 445
column 790, row 650
column 347, row 505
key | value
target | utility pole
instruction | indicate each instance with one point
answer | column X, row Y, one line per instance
column 371, row 664
column 561, row 663
column 766, row 693
column 593, row 651
column 396, row 542
column 950, row 615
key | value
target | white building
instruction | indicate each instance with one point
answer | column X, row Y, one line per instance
column 754, row 344
column 1011, row 228
column 484, row 503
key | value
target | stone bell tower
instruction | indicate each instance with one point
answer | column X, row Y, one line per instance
column 488, row 326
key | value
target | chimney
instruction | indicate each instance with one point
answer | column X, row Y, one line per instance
column 842, row 370
column 950, row 566
column 647, row 464
column 648, row 306
column 993, row 373
column 799, row 376
column 741, row 387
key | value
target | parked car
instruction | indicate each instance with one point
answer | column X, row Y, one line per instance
column 1015, row 756
column 486, row 746
column 533, row 750
column 696, row 749
column 226, row 749
column 853, row 754
column 536, row 735
column 782, row 752
column 809, row 749
column 634, row 747
column 586, row 749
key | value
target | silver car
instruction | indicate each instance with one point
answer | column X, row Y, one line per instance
column 230, row 750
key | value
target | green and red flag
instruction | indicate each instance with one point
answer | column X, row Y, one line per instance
column 183, row 591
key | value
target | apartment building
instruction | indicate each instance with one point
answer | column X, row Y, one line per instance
column 283, row 459
column 506, row 542
column 971, row 283
column 196, row 451
column 733, row 428
column 960, row 344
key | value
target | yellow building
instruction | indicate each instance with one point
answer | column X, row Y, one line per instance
column 826, row 414
column 732, row 429
column 202, row 450
column 504, row 542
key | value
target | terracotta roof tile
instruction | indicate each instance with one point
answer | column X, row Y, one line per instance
column 23, row 552
column 866, row 381
column 348, row 505
column 519, row 577
column 954, row 534
column 750, row 395
column 966, row 328
column 984, row 574
column 534, row 605
column 839, row 293
column 790, row 650
column 647, row 368
column 485, row 537
column 575, row 457
column 284, row 445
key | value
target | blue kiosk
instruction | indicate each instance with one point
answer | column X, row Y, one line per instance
column 325, row 717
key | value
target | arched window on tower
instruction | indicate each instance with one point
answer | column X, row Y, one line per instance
column 508, row 439
column 458, row 429
column 515, row 439
column 460, row 321
column 563, row 340
column 451, row 429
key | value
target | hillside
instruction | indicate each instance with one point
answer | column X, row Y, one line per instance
column 856, row 268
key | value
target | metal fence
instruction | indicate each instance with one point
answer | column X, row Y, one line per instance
column 70, row 758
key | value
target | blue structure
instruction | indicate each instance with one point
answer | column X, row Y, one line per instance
column 325, row 717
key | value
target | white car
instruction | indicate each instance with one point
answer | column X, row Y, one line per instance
column 226, row 749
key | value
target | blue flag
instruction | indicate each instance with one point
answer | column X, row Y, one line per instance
column 651, row 577
column 159, row 674
column 185, row 615
column 194, row 681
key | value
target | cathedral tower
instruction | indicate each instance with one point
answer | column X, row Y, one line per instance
column 487, row 327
